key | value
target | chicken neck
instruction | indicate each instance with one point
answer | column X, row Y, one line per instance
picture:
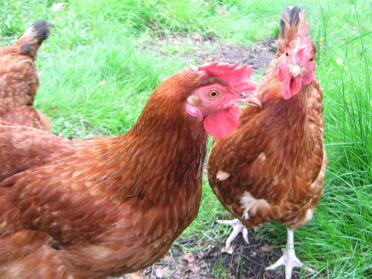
column 160, row 158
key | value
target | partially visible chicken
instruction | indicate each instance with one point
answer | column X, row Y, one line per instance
column 21, row 149
column 112, row 205
column 19, row 79
column 272, row 166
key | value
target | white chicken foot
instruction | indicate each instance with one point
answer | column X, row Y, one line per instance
column 237, row 227
column 289, row 259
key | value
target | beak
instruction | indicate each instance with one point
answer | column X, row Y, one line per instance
column 194, row 101
column 251, row 99
column 295, row 70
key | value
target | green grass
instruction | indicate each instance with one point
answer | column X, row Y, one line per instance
column 96, row 77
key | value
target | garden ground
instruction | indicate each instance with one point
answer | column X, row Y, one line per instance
column 104, row 58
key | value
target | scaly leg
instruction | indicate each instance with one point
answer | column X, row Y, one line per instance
column 289, row 259
column 238, row 227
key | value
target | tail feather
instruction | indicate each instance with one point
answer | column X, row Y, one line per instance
column 34, row 36
column 289, row 24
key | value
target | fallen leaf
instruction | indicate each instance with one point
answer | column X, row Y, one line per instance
column 266, row 248
column 189, row 257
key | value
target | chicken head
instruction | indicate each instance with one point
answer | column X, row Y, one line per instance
column 297, row 67
column 217, row 103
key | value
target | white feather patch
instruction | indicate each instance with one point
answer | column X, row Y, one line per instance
column 262, row 156
column 221, row 175
column 250, row 204
column 309, row 215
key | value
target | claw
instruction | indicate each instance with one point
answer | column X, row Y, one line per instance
column 238, row 227
column 245, row 235
column 288, row 259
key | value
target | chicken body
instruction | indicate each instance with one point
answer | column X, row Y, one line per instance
column 112, row 205
column 272, row 166
column 103, row 206
column 105, row 218
column 256, row 158
column 19, row 79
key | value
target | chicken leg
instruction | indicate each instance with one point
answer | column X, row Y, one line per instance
column 238, row 227
column 289, row 259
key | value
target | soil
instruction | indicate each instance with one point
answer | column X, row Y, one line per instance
column 259, row 55
column 204, row 49
column 248, row 261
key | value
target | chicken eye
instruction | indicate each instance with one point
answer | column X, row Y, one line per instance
column 311, row 59
column 213, row 94
column 286, row 54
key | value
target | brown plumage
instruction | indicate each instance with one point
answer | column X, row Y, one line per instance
column 19, row 79
column 272, row 166
column 275, row 155
column 102, row 206
column 23, row 147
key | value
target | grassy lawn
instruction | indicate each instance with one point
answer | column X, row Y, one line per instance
column 96, row 77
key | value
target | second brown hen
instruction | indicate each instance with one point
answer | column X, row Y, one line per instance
column 19, row 79
column 272, row 167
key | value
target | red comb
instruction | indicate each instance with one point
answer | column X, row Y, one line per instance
column 302, row 30
column 303, row 37
column 237, row 76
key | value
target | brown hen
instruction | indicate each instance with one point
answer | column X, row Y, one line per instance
column 112, row 205
column 272, row 166
column 19, row 79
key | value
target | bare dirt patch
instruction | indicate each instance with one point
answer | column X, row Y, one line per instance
column 248, row 261
column 207, row 48
column 259, row 55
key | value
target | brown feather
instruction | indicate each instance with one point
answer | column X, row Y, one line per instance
column 19, row 79
column 112, row 205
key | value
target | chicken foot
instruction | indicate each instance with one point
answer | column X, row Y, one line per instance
column 288, row 259
column 237, row 227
